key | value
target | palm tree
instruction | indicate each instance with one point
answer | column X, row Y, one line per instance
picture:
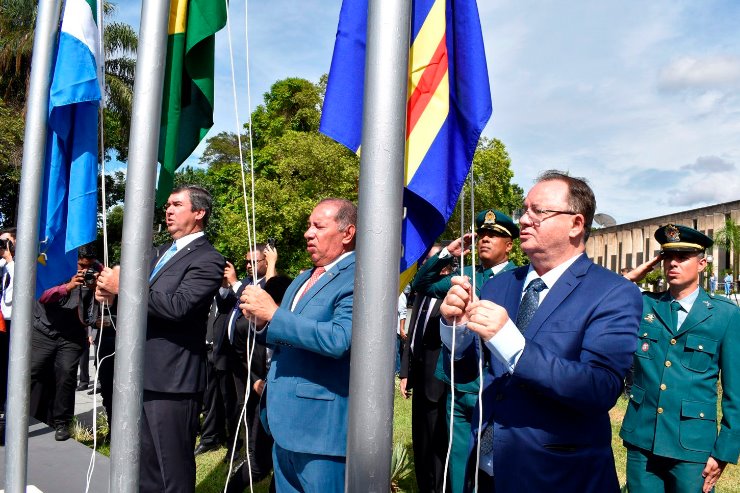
column 119, row 46
column 17, row 20
column 729, row 238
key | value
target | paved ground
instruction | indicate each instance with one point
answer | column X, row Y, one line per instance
column 85, row 400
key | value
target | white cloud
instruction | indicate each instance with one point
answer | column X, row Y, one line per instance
column 701, row 73
column 709, row 164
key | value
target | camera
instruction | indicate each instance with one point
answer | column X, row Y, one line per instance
column 89, row 277
column 271, row 242
column 4, row 244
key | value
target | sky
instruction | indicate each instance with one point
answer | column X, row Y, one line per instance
column 641, row 98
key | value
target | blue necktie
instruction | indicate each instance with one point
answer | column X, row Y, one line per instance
column 530, row 303
column 163, row 260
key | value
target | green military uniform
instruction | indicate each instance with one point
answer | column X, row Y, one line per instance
column 429, row 282
column 671, row 418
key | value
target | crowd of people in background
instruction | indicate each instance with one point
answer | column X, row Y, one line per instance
column 555, row 340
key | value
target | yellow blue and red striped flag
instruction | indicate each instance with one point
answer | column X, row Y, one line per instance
column 449, row 104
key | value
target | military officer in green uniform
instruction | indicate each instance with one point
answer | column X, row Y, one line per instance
column 688, row 340
column 495, row 232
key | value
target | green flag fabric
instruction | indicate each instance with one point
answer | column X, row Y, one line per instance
column 187, row 102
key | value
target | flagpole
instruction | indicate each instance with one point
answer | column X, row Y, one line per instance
column 370, row 427
column 24, row 286
column 136, row 247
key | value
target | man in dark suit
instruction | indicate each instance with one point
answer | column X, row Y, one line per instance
column 185, row 276
column 219, row 399
column 248, row 357
column 311, row 333
column 559, row 335
column 428, row 405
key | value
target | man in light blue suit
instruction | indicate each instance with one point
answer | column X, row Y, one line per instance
column 560, row 334
column 310, row 333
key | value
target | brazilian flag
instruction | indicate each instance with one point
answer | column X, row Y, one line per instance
column 187, row 103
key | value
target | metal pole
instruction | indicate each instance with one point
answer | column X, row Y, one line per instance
column 136, row 246
column 370, row 428
column 24, row 285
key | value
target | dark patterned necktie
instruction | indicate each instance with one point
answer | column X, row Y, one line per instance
column 530, row 303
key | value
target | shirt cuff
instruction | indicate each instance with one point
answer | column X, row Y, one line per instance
column 463, row 337
column 507, row 345
column 444, row 253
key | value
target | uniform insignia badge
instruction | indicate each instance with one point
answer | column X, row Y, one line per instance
column 490, row 219
column 672, row 234
column 645, row 347
column 708, row 304
column 650, row 317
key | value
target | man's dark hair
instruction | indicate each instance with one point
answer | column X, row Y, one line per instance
column 11, row 244
column 87, row 251
column 200, row 199
column 580, row 196
column 346, row 212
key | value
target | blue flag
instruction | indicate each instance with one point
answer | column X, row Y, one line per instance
column 68, row 213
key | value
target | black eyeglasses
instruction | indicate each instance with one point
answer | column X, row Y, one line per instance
column 538, row 215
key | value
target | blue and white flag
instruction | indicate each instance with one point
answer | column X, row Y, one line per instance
column 69, row 195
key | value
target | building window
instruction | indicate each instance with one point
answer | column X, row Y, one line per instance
column 639, row 258
column 628, row 260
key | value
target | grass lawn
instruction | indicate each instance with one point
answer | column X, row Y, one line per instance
column 211, row 473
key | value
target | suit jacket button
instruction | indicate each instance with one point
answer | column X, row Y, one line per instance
column 701, row 415
column 701, row 348
column 663, row 386
column 668, row 364
column 673, row 342
column 660, row 410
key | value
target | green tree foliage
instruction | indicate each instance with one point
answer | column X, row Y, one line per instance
column 295, row 167
column 119, row 43
column 494, row 189
column 17, row 20
column 729, row 239
column 11, row 155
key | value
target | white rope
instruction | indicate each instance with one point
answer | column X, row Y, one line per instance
column 452, row 350
column 251, row 231
column 478, row 339
column 104, row 208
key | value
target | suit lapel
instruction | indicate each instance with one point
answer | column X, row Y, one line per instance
column 558, row 293
column 513, row 293
column 328, row 276
column 663, row 311
column 180, row 254
column 700, row 311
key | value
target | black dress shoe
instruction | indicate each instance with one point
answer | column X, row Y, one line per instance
column 94, row 391
column 62, row 433
column 83, row 386
column 205, row 447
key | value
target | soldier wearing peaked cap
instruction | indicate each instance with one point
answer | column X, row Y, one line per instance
column 495, row 233
column 688, row 340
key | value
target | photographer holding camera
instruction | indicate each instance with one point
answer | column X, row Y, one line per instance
column 7, row 266
column 62, row 316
